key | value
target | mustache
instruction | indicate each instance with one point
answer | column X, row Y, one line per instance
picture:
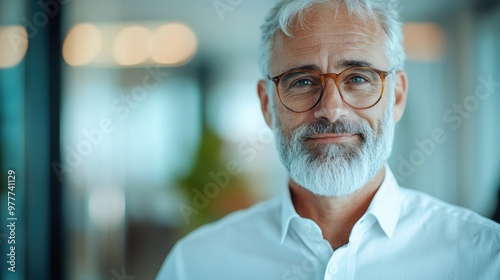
column 340, row 126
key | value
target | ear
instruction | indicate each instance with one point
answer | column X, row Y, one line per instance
column 264, row 102
column 401, row 90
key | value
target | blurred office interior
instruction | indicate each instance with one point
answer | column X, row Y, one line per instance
column 130, row 123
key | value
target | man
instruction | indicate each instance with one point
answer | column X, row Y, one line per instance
column 336, row 88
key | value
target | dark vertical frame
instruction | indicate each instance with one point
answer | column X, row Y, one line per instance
column 12, row 154
column 44, row 239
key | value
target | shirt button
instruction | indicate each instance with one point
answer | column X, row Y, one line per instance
column 333, row 269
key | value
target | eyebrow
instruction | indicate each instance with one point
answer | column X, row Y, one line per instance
column 304, row 67
column 351, row 63
column 341, row 65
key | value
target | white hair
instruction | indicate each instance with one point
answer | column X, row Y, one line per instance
column 385, row 12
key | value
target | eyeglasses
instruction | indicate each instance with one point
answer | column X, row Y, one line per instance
column 360, row 87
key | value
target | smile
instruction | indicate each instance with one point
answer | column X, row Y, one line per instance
column 331, row 138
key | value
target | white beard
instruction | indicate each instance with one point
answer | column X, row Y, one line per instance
column 336, row 169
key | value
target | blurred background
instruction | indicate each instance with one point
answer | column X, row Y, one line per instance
column 130, row 123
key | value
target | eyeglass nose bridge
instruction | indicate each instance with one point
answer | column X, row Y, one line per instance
column 336, row 82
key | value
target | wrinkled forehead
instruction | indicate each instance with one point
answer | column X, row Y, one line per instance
column 325, row 31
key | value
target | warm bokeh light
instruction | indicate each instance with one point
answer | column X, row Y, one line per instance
column 131, row 45
column 126, row 44
column 424, row 41
column 173, row 44
column 82, row 44
column 13, row 45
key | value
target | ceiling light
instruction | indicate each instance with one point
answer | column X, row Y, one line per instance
column 14, row 44
column 82, row 44
column 173, row 44
column 131, row 45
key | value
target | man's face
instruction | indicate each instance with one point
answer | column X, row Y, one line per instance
column 332, row 141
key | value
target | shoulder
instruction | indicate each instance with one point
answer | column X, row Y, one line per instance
column 453, row 236
column 242, row 235
column 261, row 217
column 434, row 211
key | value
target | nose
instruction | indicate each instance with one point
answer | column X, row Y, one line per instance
column 331, row 106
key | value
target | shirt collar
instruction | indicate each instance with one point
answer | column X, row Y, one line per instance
column 386, row 203
column 385, row 206
column 287, row 213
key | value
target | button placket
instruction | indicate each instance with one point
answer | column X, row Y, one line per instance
column 340, row 265
column 333, row 269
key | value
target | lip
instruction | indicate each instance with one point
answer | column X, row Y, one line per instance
column 331, row 137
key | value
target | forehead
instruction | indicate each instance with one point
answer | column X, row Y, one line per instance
column 330, row 39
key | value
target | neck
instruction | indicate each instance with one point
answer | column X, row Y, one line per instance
column 335, row 216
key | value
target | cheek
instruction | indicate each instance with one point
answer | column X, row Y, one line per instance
column 373, row 116
column 290, row 121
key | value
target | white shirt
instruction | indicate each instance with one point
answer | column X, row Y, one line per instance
column 404, row 234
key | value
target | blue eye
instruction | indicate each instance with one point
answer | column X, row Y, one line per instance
column 357, row 80
column 303, row 82
column 300, row 80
